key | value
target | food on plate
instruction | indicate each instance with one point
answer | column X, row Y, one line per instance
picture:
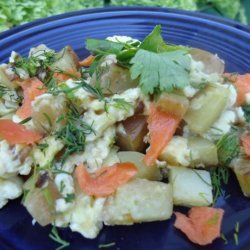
column 122, row 136
column 203, row 224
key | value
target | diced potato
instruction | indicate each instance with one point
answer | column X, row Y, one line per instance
column 203, row 151
column 206, row 107
column 114, row 79
column 176, row 152
column 190, row 187
column 212, row 63
column 4, row 80
column 242, row 170
column 66, row 59
column 139, row 201
column 131, row 133
column 40, row 202
column 46, row 109
column 144, row 172
column 173, row 104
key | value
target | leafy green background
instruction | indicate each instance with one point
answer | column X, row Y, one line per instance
column 15, row 12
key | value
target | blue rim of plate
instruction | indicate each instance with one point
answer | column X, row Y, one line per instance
column 44, row 20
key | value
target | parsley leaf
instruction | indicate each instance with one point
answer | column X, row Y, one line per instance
column 163, row 71
column 155, row 43
column 97, row 46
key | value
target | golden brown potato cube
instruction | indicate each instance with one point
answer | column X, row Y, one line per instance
column 242, row 171
column 66, row 59
column 139, row 200
column 144, row 172
column 40, row 203
column 173, row 104
column 131, row 133
column 114, row 79
column 206, row 107
column 203, row 151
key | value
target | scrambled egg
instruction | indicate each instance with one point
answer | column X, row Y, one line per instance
column 14, row 160
column 10, row 189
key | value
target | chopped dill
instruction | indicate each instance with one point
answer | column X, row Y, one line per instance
column 62, row 186
column 236, row 233
column 223, row 237
column 73, row 133
column 63, row 72
column 219, row 176
column 48, row 119
column 54, row 235
column 236, row 239
column 25, row 120
column 237, row 227
column 203, row 196
column 197, row 173
column 111, row 244
column 69, row 198
column 213, row 220
column 3, row 90
column 42, row 146
column 34, row 64
column 120, row 103
column 228, row 147
column 95, row 91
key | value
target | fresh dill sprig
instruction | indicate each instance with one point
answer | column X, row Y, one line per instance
column 236, row 239
column 66, row 73
column 73, row 133
column 42, row 146
column 25, row 120
column 54, row 235
column 111, row 244
column 3, row 90
column 236, row 233
column 228, row 147
column 37, row 62
column 223, row 237
column 199, row 175
column 120, row 103
column 69, row 198
column 219, row 176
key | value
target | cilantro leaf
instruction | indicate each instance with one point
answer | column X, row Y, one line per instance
column 163, row 71
column 155, row 43
column 102, row 47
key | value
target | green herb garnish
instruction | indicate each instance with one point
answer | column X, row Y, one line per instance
column 3, row 90
column 213, row 220
column 36, row 63
column 161, row 71
column 223, row 237
column 54, row 235
column 25, row 120
column 228, row 147
column 236, row 233
column 69, row 198
column 219, row 176
column 246, row 109
column 106, row 245
column 73, row 133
